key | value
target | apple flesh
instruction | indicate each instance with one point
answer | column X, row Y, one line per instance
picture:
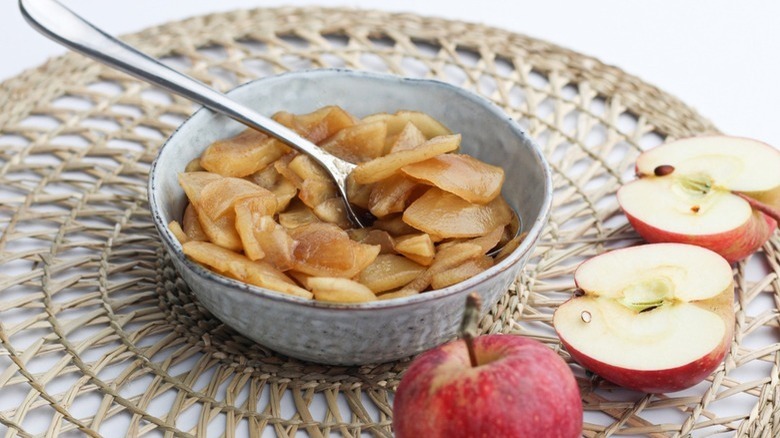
column 519, row 388
column 718, row 192
column 653, row 318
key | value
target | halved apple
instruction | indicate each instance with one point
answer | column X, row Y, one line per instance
column 722, row 193
column 653, row 318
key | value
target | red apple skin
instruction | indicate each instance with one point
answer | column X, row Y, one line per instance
column 655, row 381
column 523, row 389
column 670, row 379
column 733, row 245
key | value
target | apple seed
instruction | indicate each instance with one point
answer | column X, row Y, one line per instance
column 663, row 170
column 695, row 208
column 586, row 316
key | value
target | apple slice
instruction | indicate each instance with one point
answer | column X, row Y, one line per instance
column 722, row 193
column 653, row 318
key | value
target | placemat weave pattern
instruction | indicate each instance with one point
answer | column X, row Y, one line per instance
column 99, row 336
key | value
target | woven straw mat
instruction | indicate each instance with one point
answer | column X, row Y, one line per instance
column 100, row 337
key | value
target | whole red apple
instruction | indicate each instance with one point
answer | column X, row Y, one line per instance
column 518, row 388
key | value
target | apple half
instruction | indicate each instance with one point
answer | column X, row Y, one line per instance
column 719, row 192
column 653, row 318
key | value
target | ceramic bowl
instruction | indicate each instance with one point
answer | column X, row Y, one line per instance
column 370, row 332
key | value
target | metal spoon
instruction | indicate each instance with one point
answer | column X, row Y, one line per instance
column 69, row 29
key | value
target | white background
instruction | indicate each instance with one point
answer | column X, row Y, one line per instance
column 720, row 56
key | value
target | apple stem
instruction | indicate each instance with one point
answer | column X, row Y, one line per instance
column 468, row 326
column 760, row 206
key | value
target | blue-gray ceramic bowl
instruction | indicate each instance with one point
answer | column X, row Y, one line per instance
column 371, row 332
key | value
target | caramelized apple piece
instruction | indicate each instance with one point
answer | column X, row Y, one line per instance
column 486, row 242
column 318, row 125
column 314, row 193
column 359, row 143
column 339, row 290
column 332, row 210
column 237, row 266
column 358, row 194
column 326, row 250
column 276, row 243
column 314, row 186
column 429, row 126
column 391, row 195
column 243, row 154
column 191, row 225
column 395, row 225
column 383, row 167
column 400, row 293
column 194, row 182
column 461, row 175
column 376, row 237
column 390, row 272
column 221, row 231
column 260, row 235
column 445, row 259
column 409, row 138
column 416, row 247
column 307, row 169
column 194, row 166
column 461, row 272
column 296, row 215
column 270, row 179
column 177, row 231
column 444, row 214
column 218, row 198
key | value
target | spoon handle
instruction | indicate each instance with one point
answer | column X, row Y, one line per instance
column 64, row 26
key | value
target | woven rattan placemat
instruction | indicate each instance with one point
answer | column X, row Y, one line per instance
column 99, row 336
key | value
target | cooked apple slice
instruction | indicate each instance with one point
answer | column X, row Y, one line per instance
column 391, row 195
column 382, row 167
column 175, row 228
column 325, row 250
column 296, row 215
column 429, row 126
column 317, row 125
column 394, row 225
column 722, row 193
column 358, row 143
column 270, row 179
column 462, row 175
column 237, row 266
column 390, row 272
column 461, row 272
column 445, row 259
column 243, row 154
column 339, row 290
column 332, row 210
column 653, row 318
column 358, row 194
column 409, row 138
column 416, row 247
column 218, row 198
column 374, row 237
column 191, row 225
column 194, row 182
column 443, row 214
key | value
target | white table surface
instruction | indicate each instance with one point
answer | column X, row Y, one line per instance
column 721, row 57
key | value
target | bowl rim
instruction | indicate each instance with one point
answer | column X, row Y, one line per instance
column 529, row 242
